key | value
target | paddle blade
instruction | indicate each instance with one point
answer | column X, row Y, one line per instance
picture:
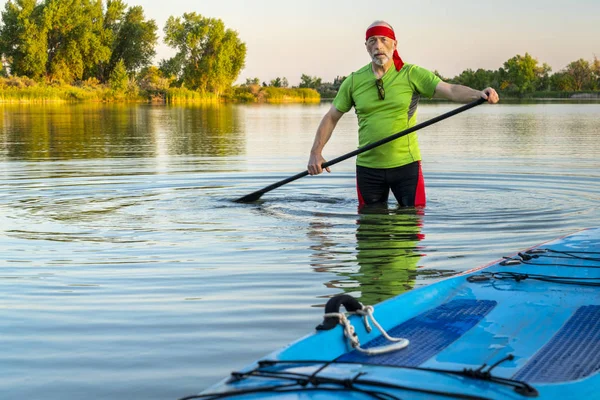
column 250, row 198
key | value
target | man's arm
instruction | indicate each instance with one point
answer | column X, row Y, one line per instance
column 324, row 132
column 463, row 94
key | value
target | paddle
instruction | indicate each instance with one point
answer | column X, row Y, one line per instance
column 256, row 195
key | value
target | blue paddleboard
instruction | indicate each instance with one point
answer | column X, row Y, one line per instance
column 527, row 326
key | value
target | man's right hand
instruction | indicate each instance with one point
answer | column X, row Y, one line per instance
column 314, row 164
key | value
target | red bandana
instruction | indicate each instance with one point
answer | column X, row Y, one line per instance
column 389, row 33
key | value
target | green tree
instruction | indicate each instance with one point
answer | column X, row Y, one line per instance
column 275, row 82
column 581, row 73
column 23, row 38
column 543, row 81
column 135, row 41
column 212, row 56
column 479, row 79
column 337, row 82
column 119, row 80
column 521, row 74
column 172, row 68
column 252, row 81
column 307, row 81
column 76, row 42
column 113, row 19
column 279, row 82
column 561, row 81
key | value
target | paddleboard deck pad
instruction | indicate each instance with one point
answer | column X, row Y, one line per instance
column 526, row 326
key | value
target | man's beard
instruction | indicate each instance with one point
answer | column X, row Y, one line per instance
column 381, row 61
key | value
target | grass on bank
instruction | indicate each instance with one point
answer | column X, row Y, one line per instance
column 25, row 90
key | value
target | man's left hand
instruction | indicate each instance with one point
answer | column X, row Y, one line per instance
column 490, row 95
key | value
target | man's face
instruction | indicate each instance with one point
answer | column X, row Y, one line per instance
column 381, row 49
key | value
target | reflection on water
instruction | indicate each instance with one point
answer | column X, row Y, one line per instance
column 82, row 131
column 386, row 253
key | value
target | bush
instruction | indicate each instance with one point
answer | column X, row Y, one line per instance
column 152, row 79
column 184, row 95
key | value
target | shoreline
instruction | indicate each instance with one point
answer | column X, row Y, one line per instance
column 23, row 96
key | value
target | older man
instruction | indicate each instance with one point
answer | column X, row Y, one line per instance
column 385, row 94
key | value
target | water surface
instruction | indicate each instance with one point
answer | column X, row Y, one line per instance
column 128, row 272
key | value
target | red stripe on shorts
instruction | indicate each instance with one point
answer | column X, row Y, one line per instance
column 420, row 199
column 361, row 201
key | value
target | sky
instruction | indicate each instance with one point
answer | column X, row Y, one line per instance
column 325, row 38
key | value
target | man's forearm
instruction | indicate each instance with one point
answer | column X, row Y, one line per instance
column 463, row 94
column 323, row 135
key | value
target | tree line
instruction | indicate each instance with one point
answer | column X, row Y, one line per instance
column 519, row 76
column 109, row 42
column 523, row 75
column 325, row 89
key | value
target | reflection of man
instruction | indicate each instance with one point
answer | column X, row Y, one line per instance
column 386, row 252
column 385, row 94
column 386, row 257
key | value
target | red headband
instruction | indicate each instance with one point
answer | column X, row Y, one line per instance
column 380, row 30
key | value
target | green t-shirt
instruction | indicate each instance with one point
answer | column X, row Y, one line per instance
column 378, row 119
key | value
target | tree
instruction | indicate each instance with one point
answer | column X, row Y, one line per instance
column 307, row 81
column 543, row 81
column 279, row 82
column 75, row 32
column 23, row 38
column 275, row 82
column 252, row 81
column 113, row 18
column 479, row 79
column 521, row 73
column 337, row 82
column 562, row 81
column 172, row 68
column 212, row 56
column 119, row 80
column 134, row 42
column 581, row 74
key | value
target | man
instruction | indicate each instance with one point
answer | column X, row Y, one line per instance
column 385, row 94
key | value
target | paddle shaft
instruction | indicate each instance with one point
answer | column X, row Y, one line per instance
column 256, row 195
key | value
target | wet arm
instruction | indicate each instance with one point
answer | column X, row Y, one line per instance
column 323, row 135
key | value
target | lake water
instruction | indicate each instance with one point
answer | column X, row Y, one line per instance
column 128, row 272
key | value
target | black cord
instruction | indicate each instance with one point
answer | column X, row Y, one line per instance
column 312, row 382
column 518, row 277
column 515, row 261
column 572, row 254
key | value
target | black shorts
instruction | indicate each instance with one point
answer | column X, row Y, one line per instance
column 406, row 182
